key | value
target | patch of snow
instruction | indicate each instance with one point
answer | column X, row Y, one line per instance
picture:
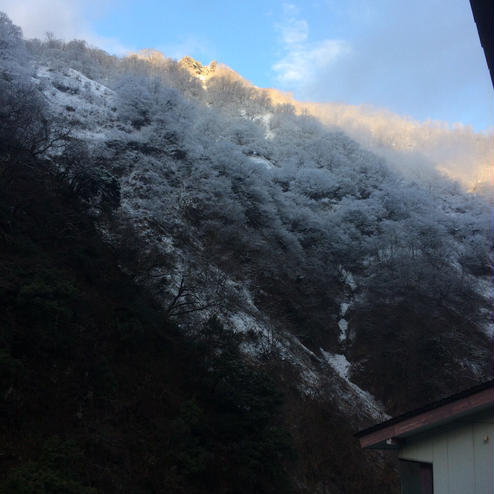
column 265, row 119
column 242, row 323
column 348, row 279
column 343, row 325
column 343, row 308
column 342, row 367
column 88, row 101
column 338, row 362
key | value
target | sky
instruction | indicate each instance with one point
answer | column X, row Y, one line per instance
column 420, row 59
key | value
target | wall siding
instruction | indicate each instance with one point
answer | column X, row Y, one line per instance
column 463, row 462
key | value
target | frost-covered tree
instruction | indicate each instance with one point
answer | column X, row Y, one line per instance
column 13, row 54
column 215, row 178
column 23, row 123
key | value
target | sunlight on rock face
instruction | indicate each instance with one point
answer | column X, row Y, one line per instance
column 203, row 72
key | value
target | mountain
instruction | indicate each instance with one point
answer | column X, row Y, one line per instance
column 209, row 289
column 197, row 69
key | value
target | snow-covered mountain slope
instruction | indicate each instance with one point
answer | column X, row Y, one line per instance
column 288, row 231
column 418, row 150
column 366, row 288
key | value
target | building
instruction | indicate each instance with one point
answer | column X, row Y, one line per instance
column 483, row 14
column 446, row 447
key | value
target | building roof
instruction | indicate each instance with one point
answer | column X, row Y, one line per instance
column 389, row 433
column 483, row 13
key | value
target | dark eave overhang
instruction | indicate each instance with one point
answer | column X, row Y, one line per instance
column 389, row 434
column 483, row 13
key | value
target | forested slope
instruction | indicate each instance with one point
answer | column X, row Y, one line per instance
column 204, row 291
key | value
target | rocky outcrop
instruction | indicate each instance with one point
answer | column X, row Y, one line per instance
column 197, row 68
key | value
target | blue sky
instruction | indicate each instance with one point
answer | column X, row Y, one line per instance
column 419, row 58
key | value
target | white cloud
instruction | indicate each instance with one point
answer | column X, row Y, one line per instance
column 302, row 63
column 301, row 60
column 294, row 31
column 66, row 19
column 420, row 58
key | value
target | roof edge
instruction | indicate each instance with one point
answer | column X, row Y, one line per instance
column 426, row 408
